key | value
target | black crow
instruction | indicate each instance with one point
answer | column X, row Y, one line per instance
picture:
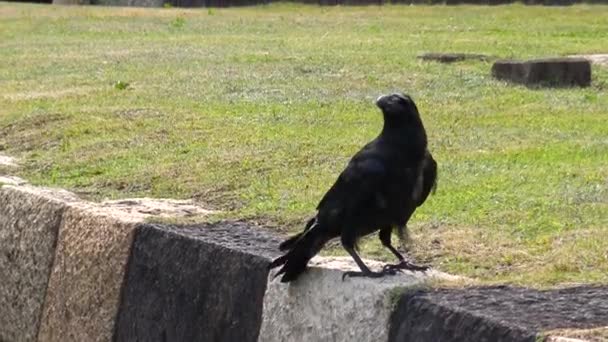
column 380, row 189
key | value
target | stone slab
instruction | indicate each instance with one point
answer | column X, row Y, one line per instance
column 196, row 283
column 557, row 72
column 93, row 247
column 84, row 287
column 499, row 313
column 142, row 208
column 62, row 261
column 451, row 57
column 320, row 306
column 29, row 224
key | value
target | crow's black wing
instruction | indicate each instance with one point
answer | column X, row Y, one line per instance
column 427, row 179
column 356, row 184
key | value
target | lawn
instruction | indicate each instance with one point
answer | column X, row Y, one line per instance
column 255, row 111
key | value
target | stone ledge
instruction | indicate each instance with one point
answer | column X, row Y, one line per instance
column 319, row 306
column 104, row 276
column 62, row 263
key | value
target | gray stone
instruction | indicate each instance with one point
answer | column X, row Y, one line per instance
column 158, row 207
column 195, row 283
column 499, row 313
column 93, row 248
column 449, row 57
column 29, row 223
column 62, row 261
column 545, row 72
column 87, row 276
column 319, row 306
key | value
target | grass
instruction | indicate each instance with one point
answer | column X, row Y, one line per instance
column 255, row 111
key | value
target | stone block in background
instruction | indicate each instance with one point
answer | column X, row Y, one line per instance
column 196, row 283
column 553, row 72
column 449, row 57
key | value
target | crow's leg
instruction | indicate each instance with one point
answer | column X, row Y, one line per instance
column 365, row 271
column 385, row 238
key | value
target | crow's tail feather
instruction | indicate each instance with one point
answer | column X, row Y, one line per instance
column 301, row 250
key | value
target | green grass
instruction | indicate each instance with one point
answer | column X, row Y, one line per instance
column 255, row 111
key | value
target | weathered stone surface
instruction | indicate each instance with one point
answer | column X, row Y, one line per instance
column 142, row 208
column 319, row 306
column 29, row 222
column 499, row 313
column 545, row 72
column 449, row 57
column 84, row 287
column 195, row 283
column 62, row 261
column 208, row 282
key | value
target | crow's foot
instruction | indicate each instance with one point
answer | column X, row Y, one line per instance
column 369, row 274
column 404, row 265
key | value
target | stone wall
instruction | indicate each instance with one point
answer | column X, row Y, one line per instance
column 78, row 271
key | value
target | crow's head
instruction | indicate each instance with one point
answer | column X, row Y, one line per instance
column 399, row 107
